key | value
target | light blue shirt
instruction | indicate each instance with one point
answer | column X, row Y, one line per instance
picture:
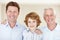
column 28, row 35
column 51, row 35
column 7, row 33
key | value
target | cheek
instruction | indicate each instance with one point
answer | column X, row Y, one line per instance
column 16, row 14
column 29, row 24
column 35, row 24
column 8, row 14
column 53, row 17
column 45, row 18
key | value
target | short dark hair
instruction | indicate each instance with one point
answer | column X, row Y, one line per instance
column 13, row 4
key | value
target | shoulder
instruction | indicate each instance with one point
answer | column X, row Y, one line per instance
column 21, row 26
column 25, row 32
column 2, row 25
column 58, row 26
column 43, row 28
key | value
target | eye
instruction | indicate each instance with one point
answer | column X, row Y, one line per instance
column 33, row 21
column 15, row 12
column 29, row 21
column 9, row 11
column 46, row 15
column 51, row 15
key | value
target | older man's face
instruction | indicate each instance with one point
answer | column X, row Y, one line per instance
column 49, row 16
column 12, row 13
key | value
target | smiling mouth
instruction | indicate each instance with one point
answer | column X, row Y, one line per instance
column 31, row 26
column 12, row 17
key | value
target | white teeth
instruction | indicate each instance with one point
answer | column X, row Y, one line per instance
column 12, row 17
column 50, row 20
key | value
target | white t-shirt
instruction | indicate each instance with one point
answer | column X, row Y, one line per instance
column 51, row 35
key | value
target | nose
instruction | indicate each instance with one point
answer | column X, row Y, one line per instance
column 32, row 23
column 49, row 17
column 12, row 13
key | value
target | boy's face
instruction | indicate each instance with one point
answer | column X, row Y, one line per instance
column 32, row 23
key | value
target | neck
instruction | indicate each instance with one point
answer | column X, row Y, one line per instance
column 52, row 26
column 12, row 24
column 32, row 30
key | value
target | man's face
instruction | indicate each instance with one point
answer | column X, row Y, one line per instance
column 49, row 16
column 12, row 13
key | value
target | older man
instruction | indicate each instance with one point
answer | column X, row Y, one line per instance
column 52, row 30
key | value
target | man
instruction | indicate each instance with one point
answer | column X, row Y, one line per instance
column 11, row 30
column 52, row 30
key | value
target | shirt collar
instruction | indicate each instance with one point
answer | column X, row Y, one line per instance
column 7, row 24
column 54, row 28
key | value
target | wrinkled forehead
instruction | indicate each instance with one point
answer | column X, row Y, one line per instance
column 48, row 11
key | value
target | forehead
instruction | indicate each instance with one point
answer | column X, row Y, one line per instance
column 30, row 19
column 12, row 7
column 48, row 12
